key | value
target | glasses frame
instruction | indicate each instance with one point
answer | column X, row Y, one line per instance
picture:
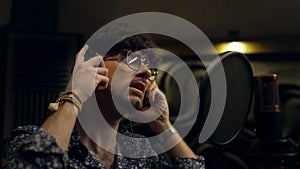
column 154, row 71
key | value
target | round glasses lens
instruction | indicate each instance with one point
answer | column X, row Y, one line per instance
column 152, row 58
column 133, row 60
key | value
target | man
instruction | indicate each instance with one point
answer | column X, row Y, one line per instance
column 63, row 142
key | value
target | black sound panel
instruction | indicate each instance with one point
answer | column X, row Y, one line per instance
column 38, row 67
column 34, row 15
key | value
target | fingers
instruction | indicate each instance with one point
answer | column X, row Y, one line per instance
column 152, row 95
column 87, row 75
column 102, row 63
column 81, row 53
column 157, row 95
column 96, row 61
column 102, row 71
column 152, row 86
column 101, row 81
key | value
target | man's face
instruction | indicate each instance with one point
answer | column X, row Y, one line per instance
column 135, row 81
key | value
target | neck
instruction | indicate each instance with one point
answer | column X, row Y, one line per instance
column 107, row 107
column 107, row 140
column 103, row 142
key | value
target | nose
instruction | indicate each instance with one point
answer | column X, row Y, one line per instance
column 144, row 72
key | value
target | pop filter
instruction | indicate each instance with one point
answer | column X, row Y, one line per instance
column 239, row 97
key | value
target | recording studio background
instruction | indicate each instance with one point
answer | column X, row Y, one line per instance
column 39, row 39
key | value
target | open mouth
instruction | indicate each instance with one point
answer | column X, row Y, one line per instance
column 138, row 85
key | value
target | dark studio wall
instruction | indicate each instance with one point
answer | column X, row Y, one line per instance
column 35, row 61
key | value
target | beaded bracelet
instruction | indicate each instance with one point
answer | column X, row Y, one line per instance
column 66, row 97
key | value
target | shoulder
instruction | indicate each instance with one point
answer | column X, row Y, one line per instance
column 23, row 131
column 25, row 134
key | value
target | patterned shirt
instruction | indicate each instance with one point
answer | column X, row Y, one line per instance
column 31, row 147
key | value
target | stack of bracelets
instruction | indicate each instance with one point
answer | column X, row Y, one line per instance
column 66, row 97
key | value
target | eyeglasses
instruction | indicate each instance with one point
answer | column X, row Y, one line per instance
column 134, row 60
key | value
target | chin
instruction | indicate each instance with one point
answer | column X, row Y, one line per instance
column 137, row 103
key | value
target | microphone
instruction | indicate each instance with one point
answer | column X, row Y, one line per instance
column 267, row 109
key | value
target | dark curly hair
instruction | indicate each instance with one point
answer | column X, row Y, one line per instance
column 133, row 43
column 105, row 40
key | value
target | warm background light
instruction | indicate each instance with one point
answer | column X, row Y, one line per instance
column 238, row 46
column 235, row 46
column 255, row 47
